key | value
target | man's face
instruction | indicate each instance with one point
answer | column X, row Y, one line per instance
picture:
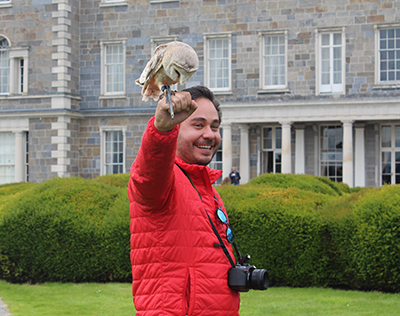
column 199, row 136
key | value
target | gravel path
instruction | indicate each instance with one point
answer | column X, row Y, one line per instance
column 3, row 309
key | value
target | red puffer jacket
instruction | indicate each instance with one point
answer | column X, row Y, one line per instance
column 176, row 268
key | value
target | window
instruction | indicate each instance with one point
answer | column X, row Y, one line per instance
column 5, row 3
column 27, row 156
column 388, row 56
column 112, row 150
column 218, row 62
column 162, row 1
column 332, row 153
column 7, row 158
column 271, row 160
column 113, row 68
column 13, row 69
column 20, row 76
column 19, row 71
column 390, row 154
column 331, row 62
column 4, row 67
column 112, row 3
column 216, row 162
column 273, row 61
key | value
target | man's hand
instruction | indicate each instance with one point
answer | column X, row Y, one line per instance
column 183, row 105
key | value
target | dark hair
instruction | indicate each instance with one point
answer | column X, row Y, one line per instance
column 198, row 92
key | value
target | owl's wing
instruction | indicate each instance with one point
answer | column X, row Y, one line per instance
column 153, row 65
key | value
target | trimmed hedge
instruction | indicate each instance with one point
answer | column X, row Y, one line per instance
column 310, row 235
column 305, row 230
column 68, row 230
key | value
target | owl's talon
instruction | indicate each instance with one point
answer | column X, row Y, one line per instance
column 168, row 99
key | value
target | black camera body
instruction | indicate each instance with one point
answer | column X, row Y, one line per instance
column 243, row 277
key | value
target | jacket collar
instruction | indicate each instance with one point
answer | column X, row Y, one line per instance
column 196, row 170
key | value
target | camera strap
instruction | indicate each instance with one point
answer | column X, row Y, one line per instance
column 221, row 243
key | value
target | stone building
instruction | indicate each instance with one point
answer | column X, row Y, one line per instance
column 306, row 86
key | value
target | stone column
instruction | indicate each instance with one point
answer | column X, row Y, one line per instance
column 226, row 149
column 244, row 154
column 348, row 153
column 359, row 156
column 300, row 150
column 62, row 48
column 286, row 147
column 19, row 171
column 63, row 147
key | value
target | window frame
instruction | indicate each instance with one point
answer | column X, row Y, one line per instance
column 217, row 161
column 5, row 72
column 321, row 161
column 378, row 83
column 275, row 149
column 6, row 4
column 113, row 3
column 11, row 153
column 263, row 85
column 103, row 132
column 103, row 90
column 15, row 55
column 392, row 149
column 334, row 88
column 207, row 68
column 162, row 1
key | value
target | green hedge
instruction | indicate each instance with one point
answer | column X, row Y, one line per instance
column 305, row 230
column 307, row 234
column 66, row 229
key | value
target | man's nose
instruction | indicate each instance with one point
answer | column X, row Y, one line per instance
column 208, row 132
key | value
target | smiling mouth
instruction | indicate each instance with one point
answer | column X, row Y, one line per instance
column 206, row 147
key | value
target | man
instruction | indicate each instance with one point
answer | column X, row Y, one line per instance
column 178, row 265
column 235, row 176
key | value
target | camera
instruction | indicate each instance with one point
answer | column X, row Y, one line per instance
column 243, row 277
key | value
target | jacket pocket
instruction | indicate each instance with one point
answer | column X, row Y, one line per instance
column 188, row 293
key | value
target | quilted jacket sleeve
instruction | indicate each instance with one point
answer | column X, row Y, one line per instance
column 152, row 171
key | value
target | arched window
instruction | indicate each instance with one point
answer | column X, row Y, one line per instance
column 4, row 66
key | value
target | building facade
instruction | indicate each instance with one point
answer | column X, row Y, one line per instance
column 305, row 86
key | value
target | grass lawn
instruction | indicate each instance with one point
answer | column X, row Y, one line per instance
column 114, row 299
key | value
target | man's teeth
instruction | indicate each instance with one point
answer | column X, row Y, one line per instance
column 204, row 147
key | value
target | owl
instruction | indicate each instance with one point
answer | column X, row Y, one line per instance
column 171, row 63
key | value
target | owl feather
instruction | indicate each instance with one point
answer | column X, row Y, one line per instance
column 171, row 63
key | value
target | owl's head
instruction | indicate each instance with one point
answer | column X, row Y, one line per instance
column 180, row 62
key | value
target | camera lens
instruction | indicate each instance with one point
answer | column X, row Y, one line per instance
column 259, row 279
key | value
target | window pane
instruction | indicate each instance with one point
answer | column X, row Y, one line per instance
column 278, row 138
column 4, row 69
column 331, row 152
column 397, row 161
column 386, row 163
column 389, row 53
column 7, row 157
column 397, row 135
column 114, row 68
column 386, row 136
column 267, row 138
column 114, row 153
column 325, row 39
column 274, row 60
column 337, row 39
column 219, row 63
